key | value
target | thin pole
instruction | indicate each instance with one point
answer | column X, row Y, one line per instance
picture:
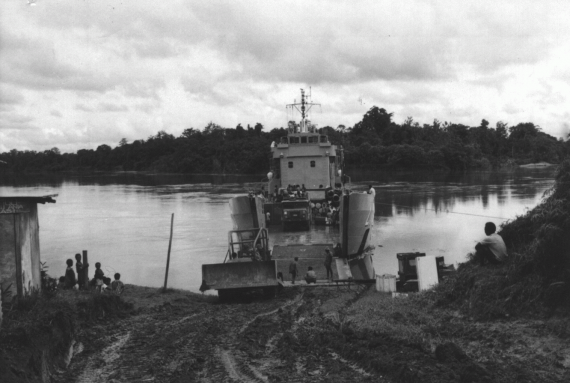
column 85, row 270
column 169, row 247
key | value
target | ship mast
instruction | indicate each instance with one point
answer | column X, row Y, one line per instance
column 305, row 107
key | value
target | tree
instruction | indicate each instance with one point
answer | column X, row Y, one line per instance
column 189, row 132
column 123, row 142
column 240, row 131
column 376, row 120
column 103, row 149
column 409, row 121
column 258, row 128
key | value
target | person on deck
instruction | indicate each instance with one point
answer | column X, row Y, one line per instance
column 311, row 277
column 371, row 191
column 492, row 248
column 293, row 269
column 338, row 250
column 328, row 263
column 70, row 279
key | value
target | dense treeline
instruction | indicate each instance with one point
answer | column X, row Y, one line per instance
column 376, row 140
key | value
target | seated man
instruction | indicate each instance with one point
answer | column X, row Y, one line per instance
column 492, row 248
column 311, row 277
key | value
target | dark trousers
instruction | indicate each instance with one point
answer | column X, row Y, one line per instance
column 329, row 271
column 293, row 275
column 484, row 255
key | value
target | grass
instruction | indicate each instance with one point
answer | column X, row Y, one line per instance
column 39, row 329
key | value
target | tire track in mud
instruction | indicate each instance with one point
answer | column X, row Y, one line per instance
column 237, row 364
column 254, row 342
column 99, row 367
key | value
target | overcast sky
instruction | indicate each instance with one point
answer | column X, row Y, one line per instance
column 79, row 73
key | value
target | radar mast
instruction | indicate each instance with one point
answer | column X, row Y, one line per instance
column 305, row 106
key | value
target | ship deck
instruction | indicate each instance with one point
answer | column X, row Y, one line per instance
column 309, row 255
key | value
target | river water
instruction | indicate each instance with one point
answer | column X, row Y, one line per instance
column 123, row 219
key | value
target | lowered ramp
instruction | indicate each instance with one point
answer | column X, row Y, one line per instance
column 239, row 275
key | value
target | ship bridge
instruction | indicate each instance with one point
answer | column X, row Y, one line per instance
column 305, row 158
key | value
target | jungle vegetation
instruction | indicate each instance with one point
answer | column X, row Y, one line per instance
column 376, row 141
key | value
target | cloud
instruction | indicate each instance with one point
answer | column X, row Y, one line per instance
column 83, row 108
column 12, row 121
column 107, row 107
column 187, row 63
column 10, row 95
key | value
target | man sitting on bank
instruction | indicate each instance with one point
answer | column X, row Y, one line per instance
column 492, row 248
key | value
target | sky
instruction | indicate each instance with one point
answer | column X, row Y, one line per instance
column 76, row 74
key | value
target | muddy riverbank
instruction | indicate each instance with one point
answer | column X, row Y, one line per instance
column 303, row 335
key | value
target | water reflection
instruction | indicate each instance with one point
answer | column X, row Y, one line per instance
column 123, row 219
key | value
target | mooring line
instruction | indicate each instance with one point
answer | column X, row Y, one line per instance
column 440, row 211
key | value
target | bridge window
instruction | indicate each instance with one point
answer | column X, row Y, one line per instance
column 293, row 140
column 312, row 164
column 324, row 139
column 314, row 140
column 290, row 164
column 303, row 140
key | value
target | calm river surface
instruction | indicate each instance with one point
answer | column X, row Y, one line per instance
column 123, row 220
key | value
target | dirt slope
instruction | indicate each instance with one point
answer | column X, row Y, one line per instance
column 312, row 335
column 186, row 339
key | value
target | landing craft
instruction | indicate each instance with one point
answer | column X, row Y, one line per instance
column 306, row 158
column 305, row 174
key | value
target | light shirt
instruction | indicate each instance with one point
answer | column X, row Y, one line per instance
column 372, row 191
column 496, row 245
column 311, row 274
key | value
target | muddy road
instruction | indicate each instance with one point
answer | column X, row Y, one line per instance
column 187, row 339
column 311, row 334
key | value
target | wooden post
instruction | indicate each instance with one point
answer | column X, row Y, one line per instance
column 85, row 270
column 168, row 256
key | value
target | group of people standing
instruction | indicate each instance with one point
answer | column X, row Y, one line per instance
column 71, row 279
column 296, row 191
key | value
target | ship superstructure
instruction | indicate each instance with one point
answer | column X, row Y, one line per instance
column 305, row 156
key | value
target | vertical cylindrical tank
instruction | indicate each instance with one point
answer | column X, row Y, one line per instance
column 356, row 219
column 247, row 212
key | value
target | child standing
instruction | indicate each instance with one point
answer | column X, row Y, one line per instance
column 117, row 286
column 99, row 274
column 61, row 284
column 70, row 280
column 80, row 268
